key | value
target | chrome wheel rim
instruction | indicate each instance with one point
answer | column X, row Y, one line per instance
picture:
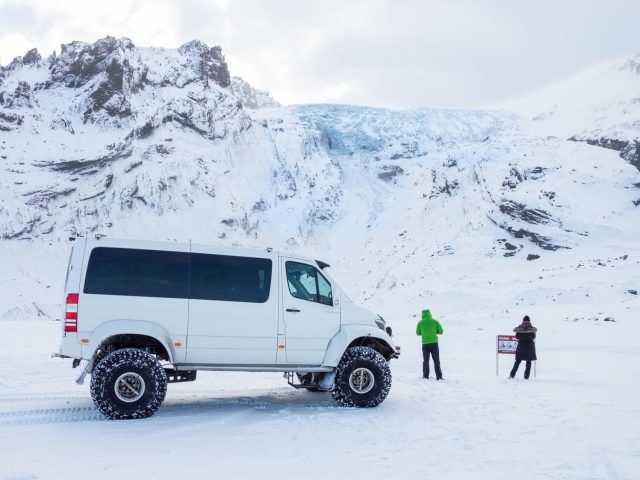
column 361, row 380
column 129, row 387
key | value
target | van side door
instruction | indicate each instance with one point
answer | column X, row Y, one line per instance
column 233, row 308
column 310, row 312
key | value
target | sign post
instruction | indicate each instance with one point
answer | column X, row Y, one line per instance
column 507, row 344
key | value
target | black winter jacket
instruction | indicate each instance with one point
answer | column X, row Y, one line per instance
column 526, row 345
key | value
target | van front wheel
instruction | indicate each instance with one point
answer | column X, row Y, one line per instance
column 363, row 378
column 128, row 383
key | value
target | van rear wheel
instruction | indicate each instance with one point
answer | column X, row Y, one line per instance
column 128, row 383
column 363, row 378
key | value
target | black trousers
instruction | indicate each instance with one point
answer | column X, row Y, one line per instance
column 527, row 369
column 431, row 349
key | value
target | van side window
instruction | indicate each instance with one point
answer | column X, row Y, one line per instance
column 307, row 283
column 138, row 273
column 324, row 290
column 157, row 273
column 230, row 278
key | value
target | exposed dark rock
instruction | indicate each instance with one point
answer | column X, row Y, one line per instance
column 90, row 166
column 632, row 291
column 534, row 173
column 23, row 90
column 43, row 197
column 106, row 65
column 31, row 57
column 79, row 62
column 29, row 226
column 260, row 206
column 521, row 212
column 448, row 188
column 9, row 121
column 389, row 172
column 542, row 241
column 549, row 195
column 60, row 123
column 450, row 162
column 510, row 246
column 210, row 64
column 145, row 131
column 164, row 150
column 185, row 121
column 21, row 97
column 109, row 96
column 629, row 150
column 532, row 256
column 132, row 166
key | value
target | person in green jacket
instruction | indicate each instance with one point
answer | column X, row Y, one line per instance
column 429, row 328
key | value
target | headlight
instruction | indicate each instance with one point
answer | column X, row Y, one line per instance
column 380, row 323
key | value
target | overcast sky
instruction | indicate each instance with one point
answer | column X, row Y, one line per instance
column 456, row 53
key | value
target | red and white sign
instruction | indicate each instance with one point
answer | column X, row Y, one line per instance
column 507, row 344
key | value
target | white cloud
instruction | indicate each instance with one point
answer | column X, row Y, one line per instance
column 392, row 53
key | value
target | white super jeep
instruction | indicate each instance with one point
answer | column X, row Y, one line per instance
column 143, row 314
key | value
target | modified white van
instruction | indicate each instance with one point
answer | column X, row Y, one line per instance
column 143, row 314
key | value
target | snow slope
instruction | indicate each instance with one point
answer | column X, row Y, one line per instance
column 600, row 106
column 475, row 214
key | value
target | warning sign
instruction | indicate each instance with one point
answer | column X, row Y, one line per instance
column 507, row 344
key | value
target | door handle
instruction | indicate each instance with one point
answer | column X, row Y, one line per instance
column 292, row 310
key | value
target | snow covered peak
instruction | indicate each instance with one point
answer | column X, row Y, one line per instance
column 600, row 106
column 602, row 100
column 209, row 63
column 632, row 65
column 251, row 97
column 113, row 83
column 32, row 57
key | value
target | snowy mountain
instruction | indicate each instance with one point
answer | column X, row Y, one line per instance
column 157, row 143
column 600, row 106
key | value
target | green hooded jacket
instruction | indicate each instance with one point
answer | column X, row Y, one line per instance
column 429, row 328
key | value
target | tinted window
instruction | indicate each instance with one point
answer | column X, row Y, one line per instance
column 306, row 283
column 141, row 273
column 230, row 278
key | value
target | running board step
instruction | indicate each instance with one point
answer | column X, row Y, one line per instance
column 174, row 376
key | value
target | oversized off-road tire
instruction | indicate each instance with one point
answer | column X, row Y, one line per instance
column 363, row 378
column 128, row 383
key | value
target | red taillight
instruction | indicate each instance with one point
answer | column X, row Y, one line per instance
column 71, row 315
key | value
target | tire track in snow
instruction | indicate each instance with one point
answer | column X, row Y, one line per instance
column 45, row 411
column 18, row 398
column 83, row 412
column 53, row 419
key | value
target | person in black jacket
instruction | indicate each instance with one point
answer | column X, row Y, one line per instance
column 526, row 334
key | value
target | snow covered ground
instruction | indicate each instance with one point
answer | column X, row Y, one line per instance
column 577, row 420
